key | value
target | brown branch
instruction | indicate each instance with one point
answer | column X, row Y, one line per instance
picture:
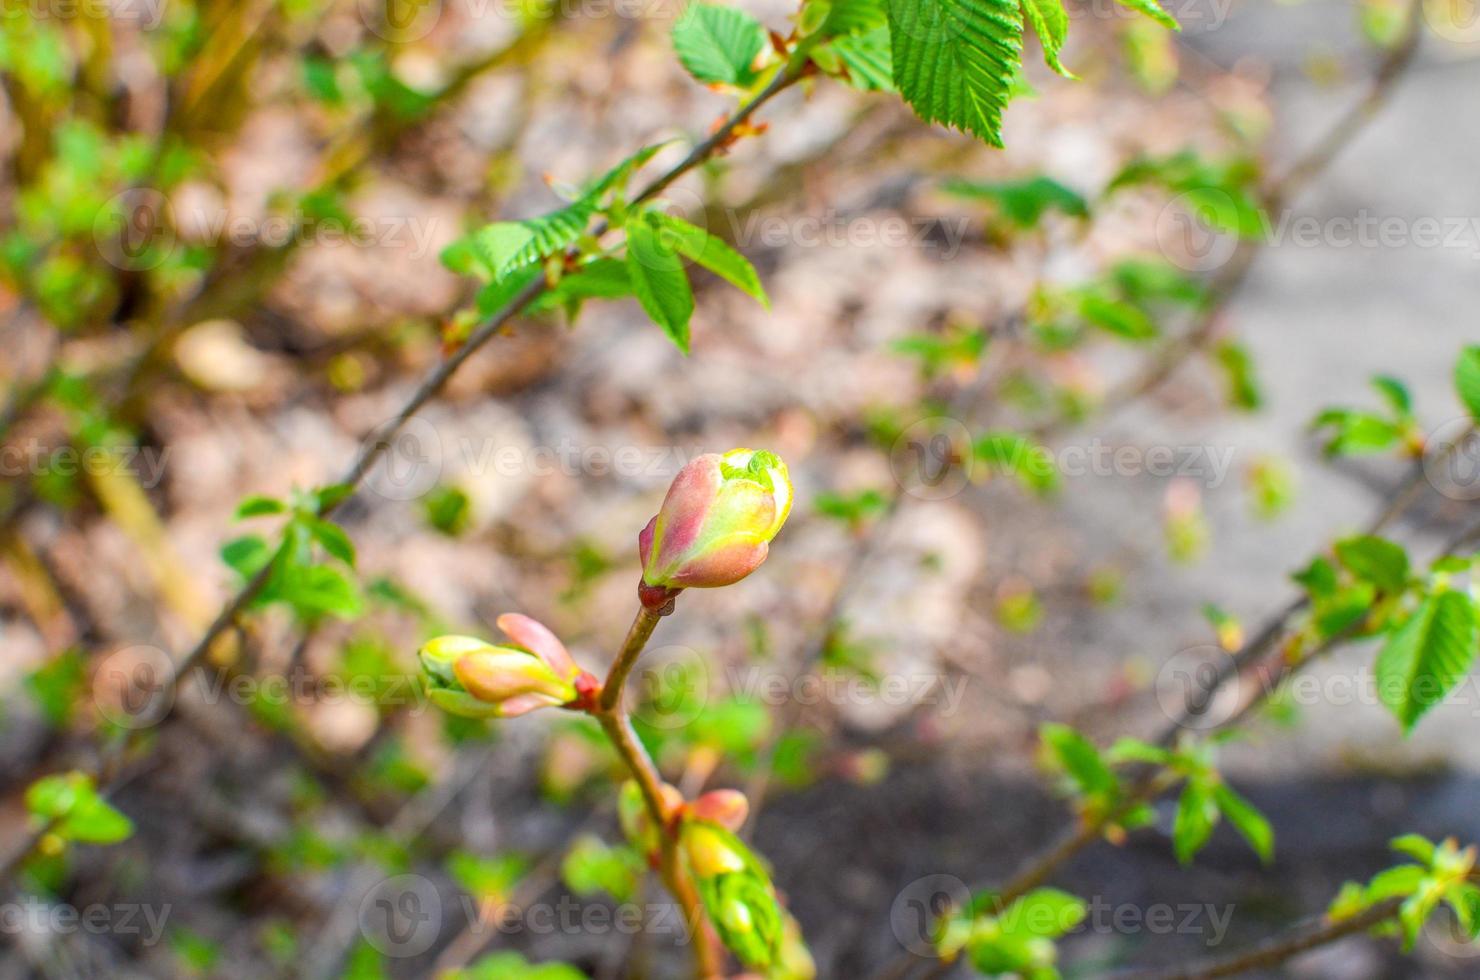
column 1279, row 949
column 431, row 386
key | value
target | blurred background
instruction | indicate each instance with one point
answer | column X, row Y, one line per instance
column 221, row 238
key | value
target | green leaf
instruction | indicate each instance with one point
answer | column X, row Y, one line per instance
column 246, row 555
column 1030, row 463
column 592, row 866
column 1247, row 821
column 1197, row 815
column 1044, row 912
column 718, row 45
column 1153, row 10
column 1376, row 560
column 94, row 821
column 1024, row 202
column 1079, row 758
column 1395, row 393
column 659, row 279
column 1416, row 846
column 867, row 60
column 1117, row 317
column 1467, row 380
column 505, row 246
column 712, row 253
column 333, row 540
column 605, row 278
column 1394, row 882
column 1426, row 656
column 1051, row 23
column 257, row 506
column 955, row 61
column 1238, row 371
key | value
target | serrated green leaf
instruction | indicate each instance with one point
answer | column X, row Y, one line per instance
column 1051, row 23
column 505, row 246
column 712, row 253
column 1425, row 657
column 955, row 61
column 1248, row 821
column 866, row 58
column 718, row 45
column 658, row 279
column 1467, row 380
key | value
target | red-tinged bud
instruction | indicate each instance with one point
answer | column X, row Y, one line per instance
column 726, row 807
column 715, row 524
column 468, row 676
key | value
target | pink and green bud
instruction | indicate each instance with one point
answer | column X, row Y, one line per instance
column 726, row 807
column 476, row 679
column 716, row 523
column 736, row 892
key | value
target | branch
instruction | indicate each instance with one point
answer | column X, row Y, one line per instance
column 431, row 386
column 1279, row 949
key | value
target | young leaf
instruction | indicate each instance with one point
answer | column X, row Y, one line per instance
column 605, row 278
column 712, row 253
column 333, row 540
column 1467, row 380
column 1247, row 821
column 659, row 279
column 1079, row 758
column 1375, row 560
column 955, row 61
column 1197, row 815
column 257, row 506
column 505, row 246
column 718, row 44
column 1051, row 23
column 1426, row 656
column 866, row 59
column 1024, row 202
column 1153, row 10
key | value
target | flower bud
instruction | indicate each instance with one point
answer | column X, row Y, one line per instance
column 715, row 523
column 470, row 677
column 736, row 891
column 726, row 807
